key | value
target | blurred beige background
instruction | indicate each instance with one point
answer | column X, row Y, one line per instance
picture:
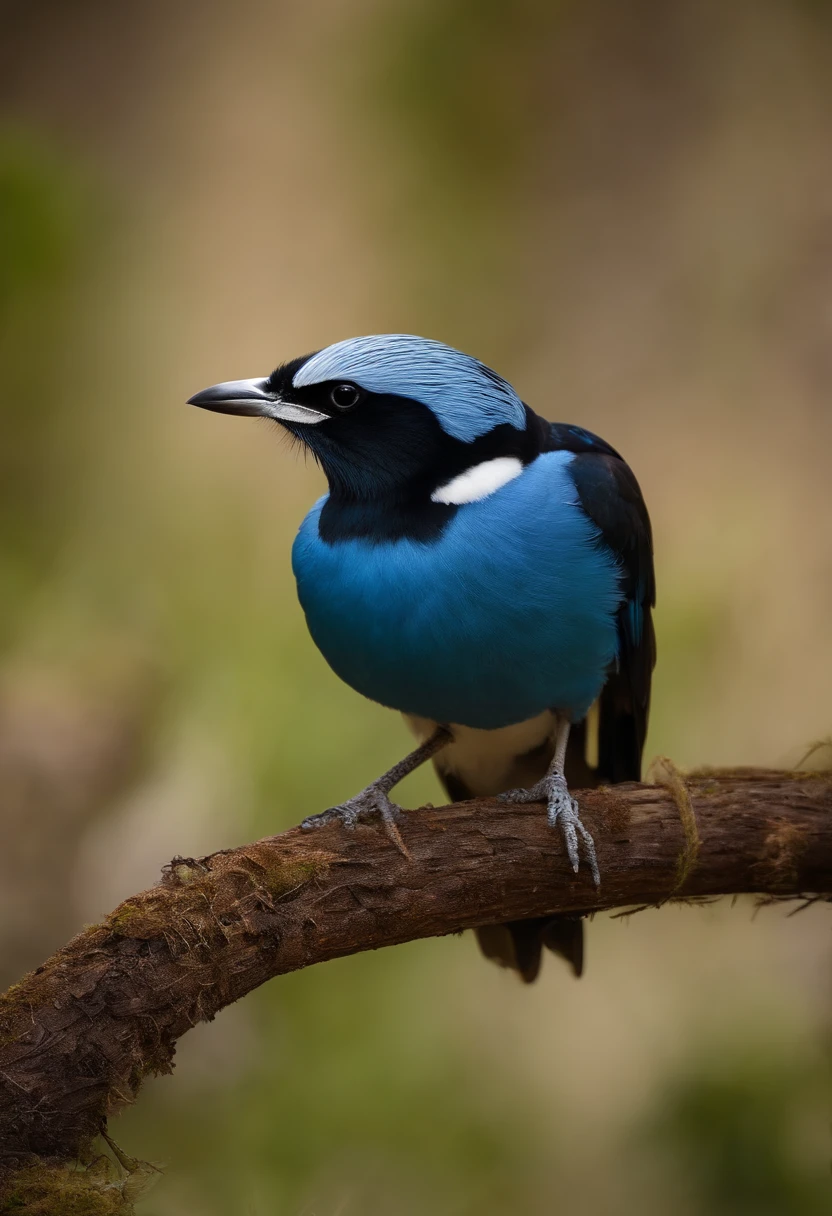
column 625, row 208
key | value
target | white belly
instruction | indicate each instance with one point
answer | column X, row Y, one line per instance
column 490, row 762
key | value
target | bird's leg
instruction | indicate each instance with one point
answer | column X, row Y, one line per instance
column 374, row 800
column 562, row 807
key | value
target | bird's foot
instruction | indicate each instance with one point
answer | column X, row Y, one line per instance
column 372, row 803
column 539, row 792
column 562, row 813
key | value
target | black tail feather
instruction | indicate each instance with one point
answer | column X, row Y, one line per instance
column 519, row 944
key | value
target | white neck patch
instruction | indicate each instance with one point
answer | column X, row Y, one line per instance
column 479, row 481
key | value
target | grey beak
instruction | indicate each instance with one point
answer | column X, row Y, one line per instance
column 251, row 398
column 246, row 397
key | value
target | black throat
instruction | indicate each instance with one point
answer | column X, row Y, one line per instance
column 381, row 509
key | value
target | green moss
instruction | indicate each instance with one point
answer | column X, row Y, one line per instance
column 64, row 1190
column 154, row 913
column 145, row 916
column 93, row 1185
column 194, row 898
column 124, row 919
column 185, row 873
column 280, row 877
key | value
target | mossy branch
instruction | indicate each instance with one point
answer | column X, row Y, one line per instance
column 79, row 1035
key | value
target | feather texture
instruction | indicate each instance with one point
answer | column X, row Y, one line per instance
column 510, row 611
column 466, row 397
column 478, row 481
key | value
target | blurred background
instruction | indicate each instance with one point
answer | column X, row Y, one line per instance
column 625, row 208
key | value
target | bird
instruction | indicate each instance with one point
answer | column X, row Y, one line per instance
column 484, row 571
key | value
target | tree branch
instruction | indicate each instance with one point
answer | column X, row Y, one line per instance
column 79, row 1034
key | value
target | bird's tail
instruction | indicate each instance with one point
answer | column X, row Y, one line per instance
column 613, row 732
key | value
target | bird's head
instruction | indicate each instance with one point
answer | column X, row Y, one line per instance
column 390, row 417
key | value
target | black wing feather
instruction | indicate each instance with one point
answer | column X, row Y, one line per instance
column 610, row 495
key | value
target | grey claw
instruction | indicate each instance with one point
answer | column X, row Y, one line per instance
column 589, row 847
column 366, row 805
column 563, row 814
column 535, row 793
column 371, row 803
column 334, row 812
column 570, row 839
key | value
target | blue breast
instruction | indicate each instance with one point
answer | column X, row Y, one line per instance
column 510, row 612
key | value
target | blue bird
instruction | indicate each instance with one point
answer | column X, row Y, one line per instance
column 484, row 571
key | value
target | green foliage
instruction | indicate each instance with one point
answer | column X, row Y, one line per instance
column 746, row 1129
column 42, row 232
column 457, row 95
column 362, row 1090
column 39, row 218
column 459, row 81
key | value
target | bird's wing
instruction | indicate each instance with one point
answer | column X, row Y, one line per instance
column 610, row 495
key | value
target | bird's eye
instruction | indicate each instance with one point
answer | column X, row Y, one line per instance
column 344, row 396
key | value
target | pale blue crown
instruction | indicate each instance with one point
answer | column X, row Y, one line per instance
column 467, row 398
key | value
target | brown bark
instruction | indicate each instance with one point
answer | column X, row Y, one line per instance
column 78, row 1035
